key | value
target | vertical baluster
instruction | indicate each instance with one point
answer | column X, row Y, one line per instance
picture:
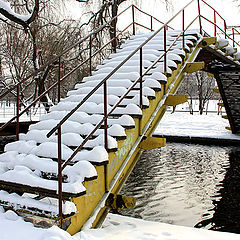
column 141, row 87
column 60, row 176
column 199, row 16
column 141, row 82
column 90, row 55
column 165, row 50
column 215, row 24
column 18, row 111
column 59, row 79
column 225, row 29
column 151, row 23
column 105, row 133
column 233, row 37
column 183, row 29
column 133, row 20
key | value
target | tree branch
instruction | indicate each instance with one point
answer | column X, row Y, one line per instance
column 17, row 18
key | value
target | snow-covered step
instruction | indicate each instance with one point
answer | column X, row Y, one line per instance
column 122, row 76
column 136, row 57
column 117, row 91
column 71, row 140
column 93, row 108
column 23, row 179
column 146, row 64
column 160, row 38
column 157, row 44
column 123, row 69
column 44, row 167
column 150, row 57
column 129, row 63
column 96, row 98
column 171, row 33
column 155, row 52
column 155, row 85
column 132, row 77
column 157, row 47
column 125, row 121
column 37, row 207
column 111, row 99
column 116, row 130
column 46, row 150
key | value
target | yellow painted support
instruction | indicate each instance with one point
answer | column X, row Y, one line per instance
column 216, row 90
column 210, row 75
column 118, row 201
column 152, row 143
column 207, row 41
column 194, row 67
column 228, row 128
column 173, row 100
column 225, row 116
column 220, row 104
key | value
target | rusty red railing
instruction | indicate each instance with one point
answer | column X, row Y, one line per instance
column 142, row 72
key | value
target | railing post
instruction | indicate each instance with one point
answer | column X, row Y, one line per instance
column 141, row 80
column 183, row 29
column 90, row 55
column 165, row 50
column 60, row 198
column 165, row 55
column 141, row 87
column 151, row 23
column 105, row 133
column 59, row 79
column 215, row 24
column 199, row 15
column 115, row 38
column 225, row 29
column 233, row 34
column 18, row 111
column 133, row 20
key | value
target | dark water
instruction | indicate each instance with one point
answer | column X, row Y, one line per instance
column 189, row 185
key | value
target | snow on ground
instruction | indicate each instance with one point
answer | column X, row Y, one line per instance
column 115, row 227
column 185, row 124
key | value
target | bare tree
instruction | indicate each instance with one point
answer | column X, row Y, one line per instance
column 198, row 86
column 32, row 34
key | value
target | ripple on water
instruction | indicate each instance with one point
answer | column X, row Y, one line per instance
column 179, row 184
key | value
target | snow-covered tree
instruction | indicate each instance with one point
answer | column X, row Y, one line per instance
column 32, row 33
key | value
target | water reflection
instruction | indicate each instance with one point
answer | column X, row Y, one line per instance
column 226, row 211
column 184, row 184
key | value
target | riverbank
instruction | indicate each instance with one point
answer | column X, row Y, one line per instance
column 203, row 129
column 115, row 227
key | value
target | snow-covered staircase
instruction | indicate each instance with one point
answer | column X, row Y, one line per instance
column 29, row 168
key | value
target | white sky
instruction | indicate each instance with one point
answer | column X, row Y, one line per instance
column 227, row 8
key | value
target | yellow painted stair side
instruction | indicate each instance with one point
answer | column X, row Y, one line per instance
column 173, row 100
column 152, row 143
